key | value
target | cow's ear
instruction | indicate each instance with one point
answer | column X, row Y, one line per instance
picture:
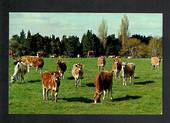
column 54, row 74
column 83, row 65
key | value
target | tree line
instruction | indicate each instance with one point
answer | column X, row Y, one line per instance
column 102, row 44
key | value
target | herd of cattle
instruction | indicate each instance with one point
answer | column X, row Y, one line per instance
column 103, row 80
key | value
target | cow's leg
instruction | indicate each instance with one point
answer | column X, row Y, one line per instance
column 52, row 94
column 104, row 94
column 28, row 68
column 79, row 82
column 95, row 100
column 44, row 93
column 130, row 79
column 76, row 83
column 55, row 95
column 123, row 81
column 63, row 76
column 118, row 74
column 22, row 78
column 40, row 70
column 110, row 92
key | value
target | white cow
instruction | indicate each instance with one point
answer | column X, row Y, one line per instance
column 19, row 71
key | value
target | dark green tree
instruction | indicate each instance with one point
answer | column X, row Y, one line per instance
column 63, row 45
column 72, row 45
column 112, row 45
column 15, row 45
column 91, row 42
column 55, row 46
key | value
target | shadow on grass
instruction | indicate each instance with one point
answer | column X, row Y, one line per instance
column 127, row 97
column 33, row 81
column 136, row 77
column 144, row 83
column 90, row 84
column 70, row 78
column 78, row 99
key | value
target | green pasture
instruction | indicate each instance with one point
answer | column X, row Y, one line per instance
column 144, row 97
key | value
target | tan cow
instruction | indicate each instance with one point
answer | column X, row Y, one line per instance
column 103, row 83
column 101, row 63
column 116, row 68
column 155, row 61
column 77, row 73
column 50, row 81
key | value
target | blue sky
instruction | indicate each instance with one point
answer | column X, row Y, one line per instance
column 77, row 24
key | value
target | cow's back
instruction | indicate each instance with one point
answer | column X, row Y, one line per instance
column 46, row 76
column 103, row 80
column 155, row 60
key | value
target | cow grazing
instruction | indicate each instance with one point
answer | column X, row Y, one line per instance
column 101, row 63
column 32, row 61
column 61, row 66
column 116, row 68
column 155, row 61
column 128, row 71
column 50, row 81
column 19, row 71
column 103, row 83
column 77, row 73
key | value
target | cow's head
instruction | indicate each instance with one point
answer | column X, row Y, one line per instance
column 56, row 76
column 13, row 79
column 16, row 60
column 60, row 62
column 80, row 66
column 97, row 97
column 124, row 64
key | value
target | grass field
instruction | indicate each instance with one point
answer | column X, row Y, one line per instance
column 144, row 97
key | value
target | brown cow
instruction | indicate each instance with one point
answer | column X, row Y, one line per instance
column 61, row 66
column 101, row 63
column 77, row 73
column 128, row 71
column 90, row 53
column 103, row 83
column 155, row 61
column 50, row 81
column 32, row 61
column 116, row 68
